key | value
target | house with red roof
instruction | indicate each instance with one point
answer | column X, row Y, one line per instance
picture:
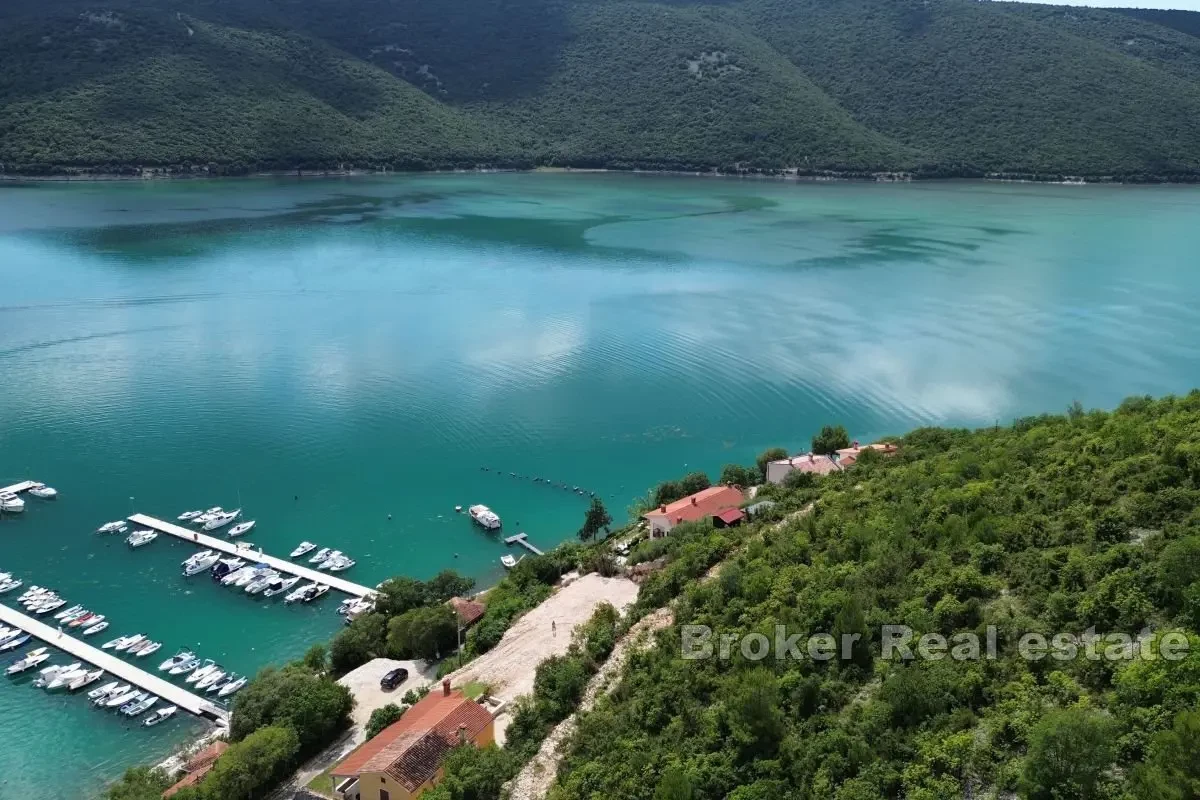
column 822, row 465
column 198, row 766
column 706, row 503
column 405, row 759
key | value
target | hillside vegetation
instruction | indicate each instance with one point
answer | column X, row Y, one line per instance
column 932, row 87
column 1057, row 524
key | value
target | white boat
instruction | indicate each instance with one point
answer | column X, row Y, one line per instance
column 321, row 555
column 484, row 517
column 101, row 691
column 86, row 679
column 297, row 595
column 159, row 716
column 329, row 559
column 9, row 585
column 302, row 548
column 201, row 564
column 87, row 620
column 49, row 606
column 118, row 698
column 231, row 687
column 15, row 642
column 188, row 516
column 43, row 491
column 225, row 567
column 185, row 667
column 208, row 666
column 339, row 564
column 129, row 642
column 237, row 575
column 141, row 707
column 99, row 626
column 11, row 503
column 194, row 557
column 134, row 697
column 280, row 585
column 314, row 591
column 139, row 538
column 249, row 575
column 508, row 561
column 182, row 657
column 31, row 660
column 211, row 678
column 68, row 612
column 117, row 526
column 66, row 676
column 150, row 649
column 222, row 519
column 205, row 516
column 241, row 528
column 47, row 676
column 261, row 581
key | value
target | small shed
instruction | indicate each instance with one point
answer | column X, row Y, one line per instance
column 729, row 518
column 753, row 511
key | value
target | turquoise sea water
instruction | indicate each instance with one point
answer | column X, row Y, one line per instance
column 335, row 351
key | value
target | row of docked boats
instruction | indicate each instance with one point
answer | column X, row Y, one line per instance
column 11, row 502
column 326, row 558
column 216, row 518
column 136, row 539
column 40, row 600
column 137, row 645
column 131, row 702
column 205, row 675
column 252, row 578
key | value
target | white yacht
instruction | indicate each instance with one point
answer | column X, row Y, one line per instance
column 211, row 678
column 302, row 548
column 261, row 581
column 484, row 517
column 50, row 605
column 139, row 538
column 47, row 676
column 8, row 584
column 241, row 528
column 141, row 707
column 237, row 574
column 127, row 701
column 185, row 667
column 508, row 561
column 314, row 591
column 205, row 516
column 11, row 503
column 159, row 716
column 320, row 556
column 231, row 687
column 86, row 679
column 94, row 629
column 222, row 519
column 122, row 695
column 148, row 649
column 194, row 567
column 43, row 491
column 248, row 576
column 117, row 526
column 87, row 620
column 199, row 675
column 340, row 564
column 69, row 612
column 296, row 595
column 188, row 516
column 15, row 642
column 280, row 585
column 182, row 657
column 101, row 691
column 31, row 660
column 330, row 558
column 129, row 642
column 66, row 676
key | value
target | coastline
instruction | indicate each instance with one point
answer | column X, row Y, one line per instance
column 91, row 175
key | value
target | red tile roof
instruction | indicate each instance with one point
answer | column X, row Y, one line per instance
column 469, row 611
column 198, row 766
column 411, row 750
column 848, row 455
column 702, row 504
column 818, row 465
column 731, row 516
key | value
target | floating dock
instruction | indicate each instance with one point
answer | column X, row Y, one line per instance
column 231, row 548
column 523, row 540
column 114, row 666
column 17, row 488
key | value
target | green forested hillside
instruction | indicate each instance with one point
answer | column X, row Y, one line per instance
column 934, row 87
column 1053, row 525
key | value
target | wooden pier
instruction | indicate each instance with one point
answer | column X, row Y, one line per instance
column 523, row 540
column 17, row 488
column 114, row 666
column 230, row 547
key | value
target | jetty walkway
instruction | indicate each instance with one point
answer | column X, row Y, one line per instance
column 17, row 488
column 114, row 666
column 231, row 548
column 523, row 540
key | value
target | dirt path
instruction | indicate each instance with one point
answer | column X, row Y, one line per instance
column 538, row 775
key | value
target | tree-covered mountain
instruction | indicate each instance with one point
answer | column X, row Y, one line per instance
column 934, row 87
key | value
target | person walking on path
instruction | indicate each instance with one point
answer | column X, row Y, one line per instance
column 553, row 628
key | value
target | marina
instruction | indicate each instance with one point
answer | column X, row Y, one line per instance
column 523, row 540
column 17, row 488
column 231, row 548
column 114, row 666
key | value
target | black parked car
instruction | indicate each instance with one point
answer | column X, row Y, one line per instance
column 393, row 679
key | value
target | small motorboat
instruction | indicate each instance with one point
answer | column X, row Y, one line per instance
column 241, row 528
column 140, row 707
column 139, row 538
column 484, row 517
column 11, row 503
column 101, row 691
column 15, row 642
column 149, row 649
column 194, row 557
column 87, row 620
column 222, row 519
column 185, row 667
column 314, row 591
column 232, row 687
column 236, row 575
column 31, row 660
column 117, row 526
column 47, row 676
column 339, row 564
column 261, row 581
column 321, row 555
column 129, row 642
column 199, row 675
column 298, row 594
column 188, row 516
column 201, row 564
column 66, row 676
column 205, row 516
column 303, row 548
column 43, row 491
column 249, row 575
column 86, row 679
column 135, row 698
column 9, row 585
column 99, row 626
column 79, row 619
column 212, row 677
column 120, row 697
column 70, row 612
column 214, row 688
column 161, row 715
column 329, row 559
column 280, row 585
column 226, row 566
column 508, row 561
column 182, row 657
column 49, row 606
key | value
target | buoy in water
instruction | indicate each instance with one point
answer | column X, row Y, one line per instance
column 389, row 516
column 457, row 510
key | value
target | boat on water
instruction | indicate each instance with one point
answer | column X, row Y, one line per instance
column 86, row 679
column 241, row 529
column 43, row 491
column 508, row 561
column 118, row 697
column 207, row 515
column 280, row 585
column 185, row 667
column 94, row 629
column 303, row 548
column 198, row 565
column 101, row 691
column 141, row 707
column 149, row 649
column 117, row 526
column 31, row 660
column 313, row 592
column 135, row 698
column 484, row 517
column 232, row 687
column 329, row 558
column 87, row 620
column 69, row 612
column 237, row 574
column 129, row 642
column 161, row 715
column 49, row 606
column 14, row 643
column 182, row 657
column 199, row 675
column 261, row 581
column 188, row 516
column 321, row 555
column 340, row 564
column 212, row 677
column 139, row 538
column 222, row 519
column 225, row 566
column 66, row 676
column 248, row 575
column 9, row 584
column 47, row 675
column 11, row 503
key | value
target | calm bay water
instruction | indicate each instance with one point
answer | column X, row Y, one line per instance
column 329, row 352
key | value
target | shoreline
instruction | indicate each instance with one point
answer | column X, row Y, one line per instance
column 86, row 175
